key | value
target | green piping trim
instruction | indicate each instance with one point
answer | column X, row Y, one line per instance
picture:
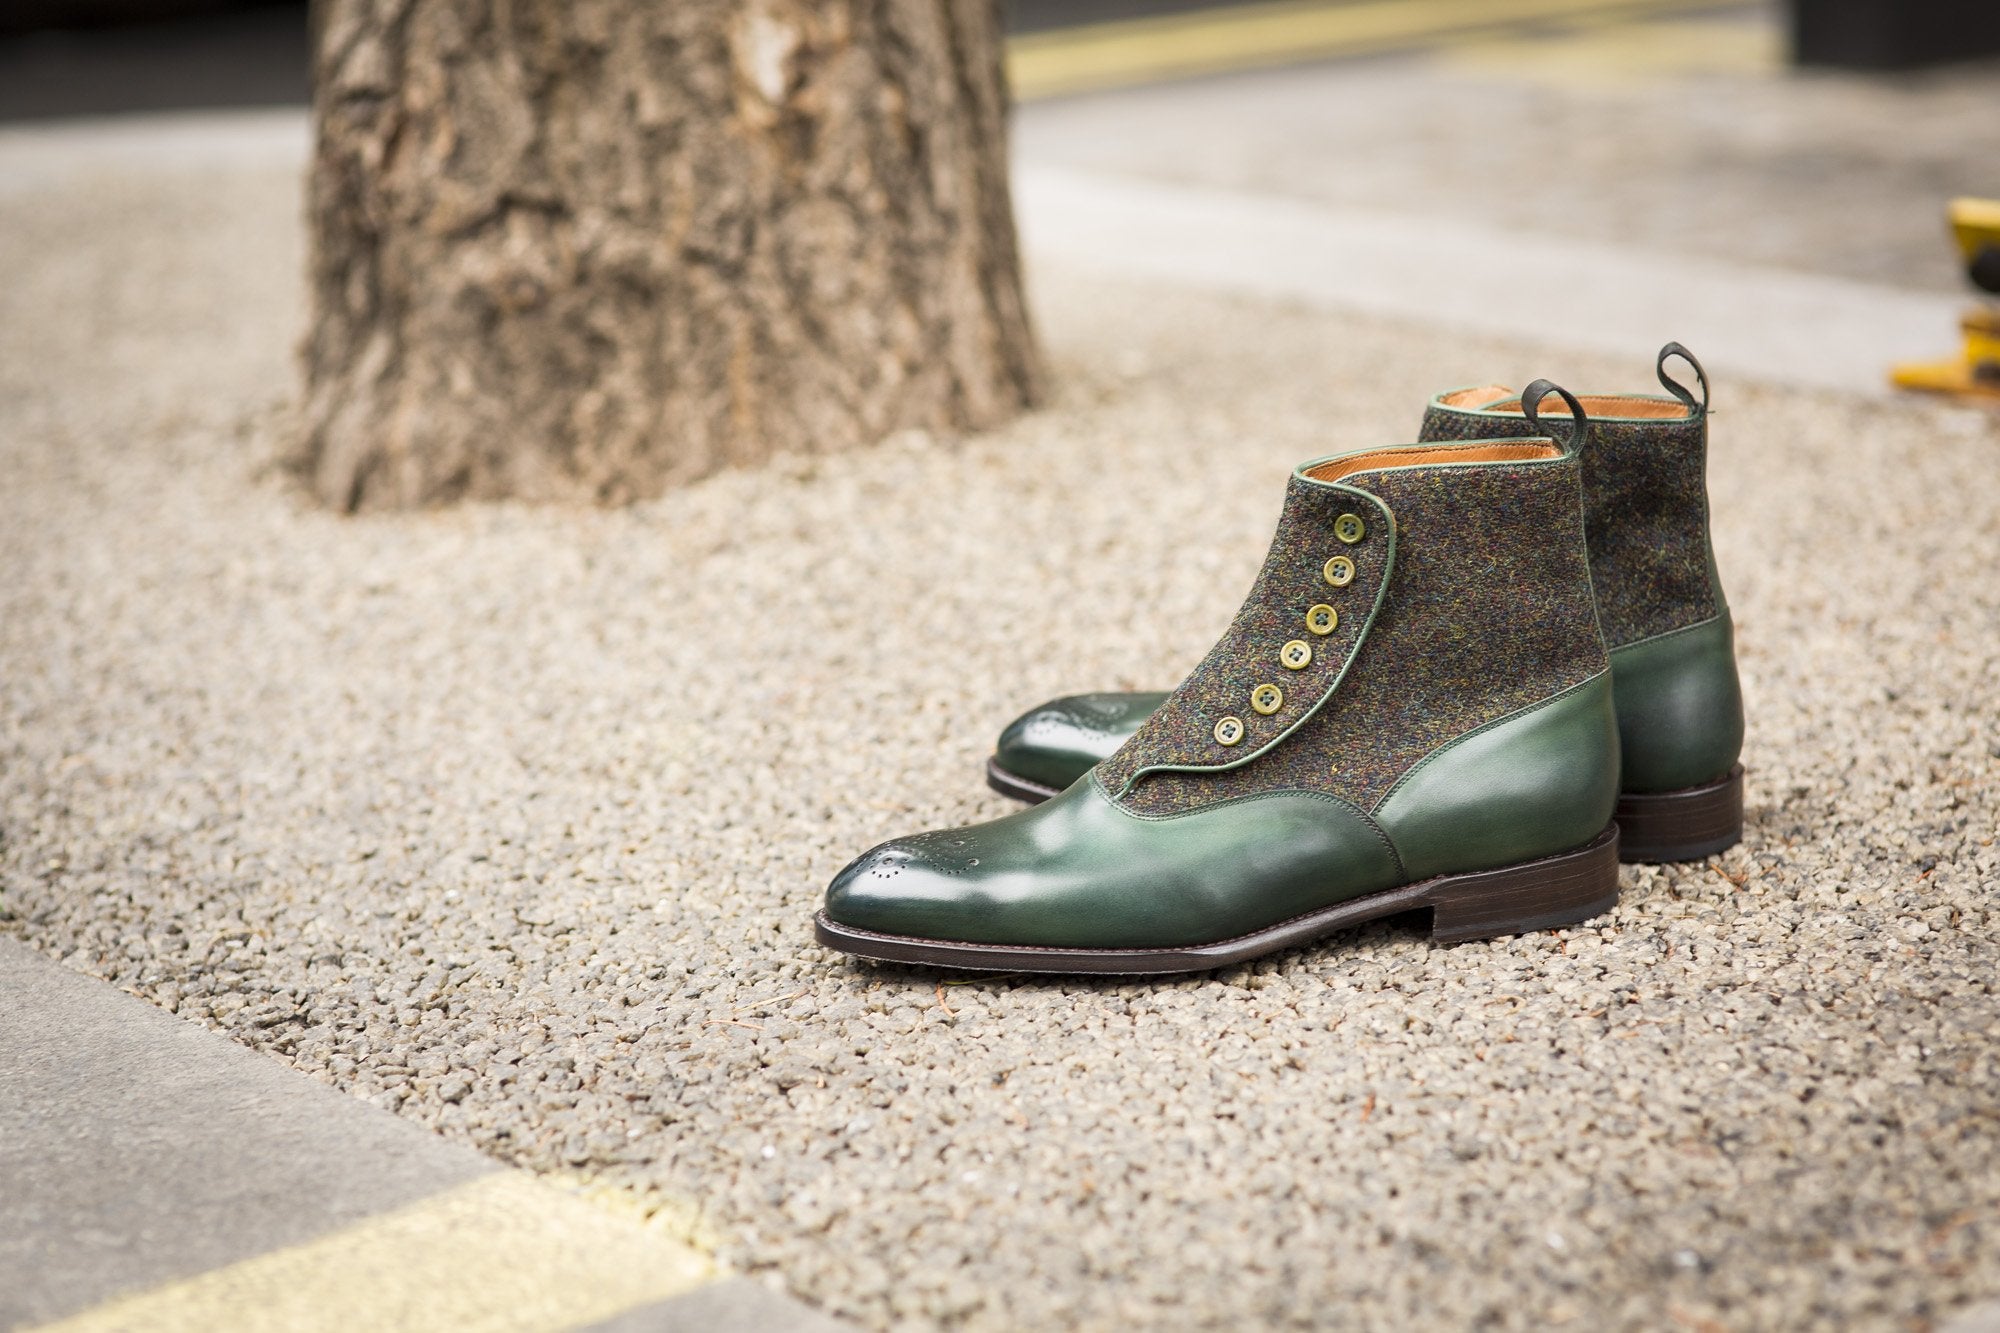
column 1723, row 614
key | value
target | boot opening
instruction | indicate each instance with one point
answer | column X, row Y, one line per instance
column 1478, row 451
column 1479, row 396
column 1604, row 406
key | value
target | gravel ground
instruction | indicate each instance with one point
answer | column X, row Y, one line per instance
column 512, row 820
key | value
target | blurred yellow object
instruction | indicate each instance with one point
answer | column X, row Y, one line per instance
column 1975, row 374
column 1976, row 224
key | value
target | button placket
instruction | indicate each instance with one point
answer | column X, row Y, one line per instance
column 1322, row 619
column 1313, row 652
column 1339, row 571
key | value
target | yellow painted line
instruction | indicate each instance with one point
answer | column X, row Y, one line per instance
column 1111, row 55
column 1617, row 55
column 502, row 1254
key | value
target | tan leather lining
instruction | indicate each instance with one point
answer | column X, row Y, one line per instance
column 1488, row 451
column 1602, row 405
column 1475, row 397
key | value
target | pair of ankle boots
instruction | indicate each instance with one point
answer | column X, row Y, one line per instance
column 1472, row 674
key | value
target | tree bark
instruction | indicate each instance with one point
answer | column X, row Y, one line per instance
column 590, row 249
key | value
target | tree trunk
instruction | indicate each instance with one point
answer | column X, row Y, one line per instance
column 589, row 249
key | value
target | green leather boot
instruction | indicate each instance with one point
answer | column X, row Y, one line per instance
column 1673, row 661
column 1412, row 711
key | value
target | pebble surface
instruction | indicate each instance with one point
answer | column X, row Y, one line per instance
column 512, row 821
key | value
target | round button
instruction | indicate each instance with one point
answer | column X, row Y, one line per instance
column 1296, row 655
column 1322, row 619
column 1349, row 528
column 1267, row 699
column 1229, row 731
column 1339, row 571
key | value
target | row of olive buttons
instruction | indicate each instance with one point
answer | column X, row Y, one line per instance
column 1298, row 654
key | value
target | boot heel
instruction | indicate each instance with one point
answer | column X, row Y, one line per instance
column 1556, row 891
column 1684, row 825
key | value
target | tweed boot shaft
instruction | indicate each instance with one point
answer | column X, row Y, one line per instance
column 1645, row 505
column 1468, row 599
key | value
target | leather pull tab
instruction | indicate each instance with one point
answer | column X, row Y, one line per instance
column 1675, row 387
column 1531, row 398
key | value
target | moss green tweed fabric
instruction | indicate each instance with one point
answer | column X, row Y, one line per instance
column 1292, row 582
column 1487, row 609
column 1645, row 499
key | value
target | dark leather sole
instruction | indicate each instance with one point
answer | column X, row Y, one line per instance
column 1535, row 895
column 1664, row 826
column 1019, row 788
column 1685, row 825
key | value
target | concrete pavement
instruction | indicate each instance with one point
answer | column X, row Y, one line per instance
column 1776, row 325
column 156, row 1176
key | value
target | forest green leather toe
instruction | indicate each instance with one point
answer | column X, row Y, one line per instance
column 1412, row 712
column 1082, row 871
column 1047, row 748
